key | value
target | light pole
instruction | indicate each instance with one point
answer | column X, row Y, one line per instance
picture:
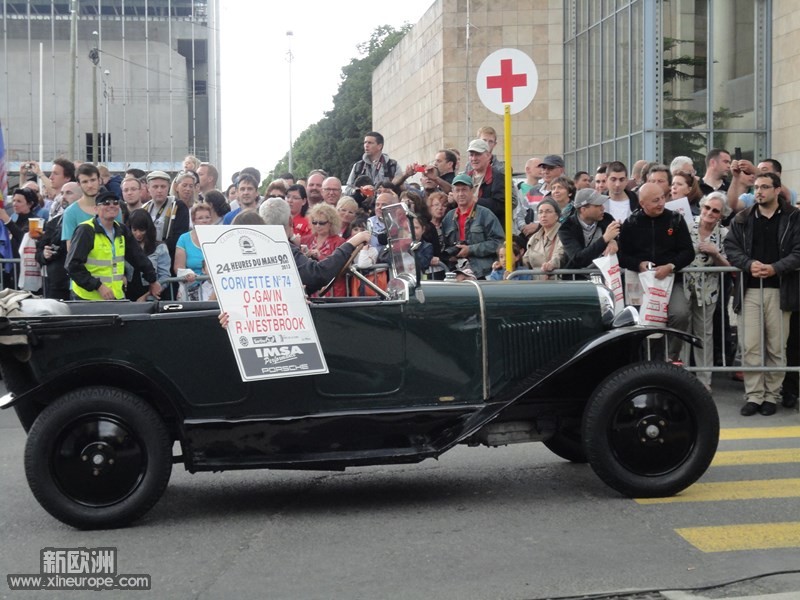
column 106, row 138
column 94, row 56
column 290, row 57
column 73, row 59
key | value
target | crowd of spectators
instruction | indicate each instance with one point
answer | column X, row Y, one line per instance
column 655, row 218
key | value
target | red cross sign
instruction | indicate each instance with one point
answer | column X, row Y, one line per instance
column 507, row 76
column 506, row 81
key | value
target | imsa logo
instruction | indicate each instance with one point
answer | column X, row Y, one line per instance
column 278, row 354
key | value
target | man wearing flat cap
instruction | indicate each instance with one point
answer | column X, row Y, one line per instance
column 170, row 215
column 589, row 232
column 97, row 255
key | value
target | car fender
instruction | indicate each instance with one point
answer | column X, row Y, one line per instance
column 589, row 364
column 616, row 345
column 111, row 373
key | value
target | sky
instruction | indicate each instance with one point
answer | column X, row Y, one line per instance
column 254, row 70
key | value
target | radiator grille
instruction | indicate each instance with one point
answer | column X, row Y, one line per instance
column 531, row 344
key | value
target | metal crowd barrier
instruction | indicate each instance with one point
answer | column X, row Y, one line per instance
column 737, row 322
column 7, row 276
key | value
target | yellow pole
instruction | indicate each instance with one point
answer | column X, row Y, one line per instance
column 508, row 224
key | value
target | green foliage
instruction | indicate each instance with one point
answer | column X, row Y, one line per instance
column 334, row 143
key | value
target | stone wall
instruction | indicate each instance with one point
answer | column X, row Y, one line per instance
column 424, row 93
column 786, row 90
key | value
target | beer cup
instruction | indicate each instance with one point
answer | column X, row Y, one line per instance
column 35, row 228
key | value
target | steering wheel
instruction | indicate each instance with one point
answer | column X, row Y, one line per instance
column 345, row 267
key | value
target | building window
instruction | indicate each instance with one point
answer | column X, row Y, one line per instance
column 663, row 78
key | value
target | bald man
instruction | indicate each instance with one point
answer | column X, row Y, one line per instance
column 654, row 238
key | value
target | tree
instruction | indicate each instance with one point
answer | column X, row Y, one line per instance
column 334, row 142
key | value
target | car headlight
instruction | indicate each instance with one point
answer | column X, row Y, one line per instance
column 606, row 299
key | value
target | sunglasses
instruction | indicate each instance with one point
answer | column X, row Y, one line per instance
column 108, row 203
column 277, row 196
column 319, row 222
column 716, row 211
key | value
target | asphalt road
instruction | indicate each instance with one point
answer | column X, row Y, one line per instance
column 514, row 522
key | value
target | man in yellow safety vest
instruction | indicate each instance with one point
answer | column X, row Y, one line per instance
column 97, row 255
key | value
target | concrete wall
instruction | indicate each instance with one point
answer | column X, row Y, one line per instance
column 424, row 92
column 786, row 90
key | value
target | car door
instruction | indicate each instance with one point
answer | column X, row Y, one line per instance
column 364, row 346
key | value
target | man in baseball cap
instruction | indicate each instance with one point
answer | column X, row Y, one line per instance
column 471, row 231
column 488, row 181
column 552, row 166
column 589, row 232
column 553, row 160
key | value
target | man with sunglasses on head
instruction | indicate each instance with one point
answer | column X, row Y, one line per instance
column 100, row 247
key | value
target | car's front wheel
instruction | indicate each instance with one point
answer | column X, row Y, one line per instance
column 650, row 430
column 98, row 457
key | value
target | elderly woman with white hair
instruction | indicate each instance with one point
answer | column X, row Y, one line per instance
column 701, row 289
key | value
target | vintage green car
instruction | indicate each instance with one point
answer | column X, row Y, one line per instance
column 106, row 389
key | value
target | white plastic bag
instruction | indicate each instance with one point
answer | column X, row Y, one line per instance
column 655, row 299
column 612, row 276
column 633, row 289
column 197, row 291
column 30, row 273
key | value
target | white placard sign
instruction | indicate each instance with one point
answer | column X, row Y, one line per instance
column 256, row 282
column 682, row 206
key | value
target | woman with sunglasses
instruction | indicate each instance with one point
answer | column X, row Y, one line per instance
column 324, row 238
column 702, row 290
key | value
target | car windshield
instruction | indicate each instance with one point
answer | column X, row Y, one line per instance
column 400, row 239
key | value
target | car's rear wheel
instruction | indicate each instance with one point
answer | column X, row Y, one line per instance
column 98, row 457
column 567, row 443
column 650, row 429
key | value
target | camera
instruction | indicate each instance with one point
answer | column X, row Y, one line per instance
column 453, row 251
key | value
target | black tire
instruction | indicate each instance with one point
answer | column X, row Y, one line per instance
column 650, row 430
column 567, row 444
column 98, row 458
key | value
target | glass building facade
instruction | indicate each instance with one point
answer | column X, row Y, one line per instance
column 655, row 79
column 146, row 81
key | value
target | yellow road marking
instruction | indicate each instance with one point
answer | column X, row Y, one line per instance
column 754, row 433
column 756, row 457
column 756, row 536
column 732, row 490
